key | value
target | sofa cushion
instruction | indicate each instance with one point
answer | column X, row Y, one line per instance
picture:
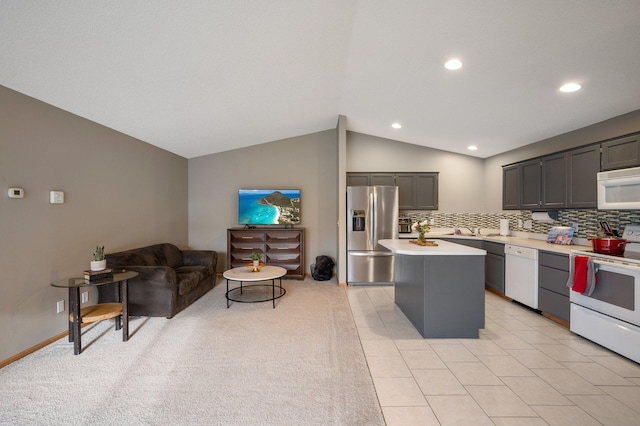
column 189, row 277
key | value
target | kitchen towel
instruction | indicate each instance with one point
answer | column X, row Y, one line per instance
column 582, row 275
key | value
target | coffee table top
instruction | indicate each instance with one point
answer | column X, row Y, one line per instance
column 245, row 273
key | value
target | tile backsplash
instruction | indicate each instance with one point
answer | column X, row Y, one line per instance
column 587, row 220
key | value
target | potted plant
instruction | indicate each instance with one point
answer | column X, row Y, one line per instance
column 98, row 263
column 255, row 256
column 422, row 229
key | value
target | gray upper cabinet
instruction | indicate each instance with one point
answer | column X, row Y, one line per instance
column 530, row 181
column 562, row 180
column 416, row 191
column 511, row 187
column 621, row 153
column 357, row 179
column 583, row 165
column 554, row 181
column 382, row 179
column 406, row 191
column 426, row 191
column 521, row 185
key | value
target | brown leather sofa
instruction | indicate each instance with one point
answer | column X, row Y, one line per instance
column 169, row 279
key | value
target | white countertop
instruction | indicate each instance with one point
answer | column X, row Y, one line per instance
column 540, row 244
column 444, row 248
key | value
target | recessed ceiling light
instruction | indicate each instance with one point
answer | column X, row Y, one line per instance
column 570, row 87
column 396, row 125
column 472, row 148
column 453, row 64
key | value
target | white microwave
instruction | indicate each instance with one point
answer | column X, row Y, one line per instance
column 619, row 189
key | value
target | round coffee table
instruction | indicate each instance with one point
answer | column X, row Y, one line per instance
column 246, row 274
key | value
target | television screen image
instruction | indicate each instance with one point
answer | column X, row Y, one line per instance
column 269, row 206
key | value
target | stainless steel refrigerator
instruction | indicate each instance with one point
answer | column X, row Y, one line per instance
column 372, row 215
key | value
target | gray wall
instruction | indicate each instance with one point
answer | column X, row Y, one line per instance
column 460, row 183
column 614, row 127
column 119, row 192
column 308, row 162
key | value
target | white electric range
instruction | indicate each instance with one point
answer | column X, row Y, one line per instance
column 610, row 316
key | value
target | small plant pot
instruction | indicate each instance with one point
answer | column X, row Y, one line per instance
column 256, row 266
column 98, row 265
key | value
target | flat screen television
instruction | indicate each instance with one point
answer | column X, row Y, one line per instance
column 268, row 206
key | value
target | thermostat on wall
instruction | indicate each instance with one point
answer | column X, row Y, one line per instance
column 56, row 197
column 16, row 193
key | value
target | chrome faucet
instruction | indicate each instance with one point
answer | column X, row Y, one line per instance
column 458, row 232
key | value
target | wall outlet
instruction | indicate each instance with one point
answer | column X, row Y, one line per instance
column 432, row 221
column 519, row 223
column 528, row 224
column 60, row 306
column 84, row 297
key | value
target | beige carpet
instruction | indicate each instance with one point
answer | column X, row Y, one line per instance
column 300, row 363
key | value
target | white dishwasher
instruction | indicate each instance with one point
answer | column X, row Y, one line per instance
column 521, row 274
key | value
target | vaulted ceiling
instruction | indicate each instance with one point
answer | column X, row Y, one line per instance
column 200, row 77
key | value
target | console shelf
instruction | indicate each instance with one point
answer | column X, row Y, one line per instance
column 279, row 247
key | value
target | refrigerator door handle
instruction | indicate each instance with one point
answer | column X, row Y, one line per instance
column 371, row 253
column 372, row 220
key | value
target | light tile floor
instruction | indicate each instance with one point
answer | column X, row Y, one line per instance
column 523, row 370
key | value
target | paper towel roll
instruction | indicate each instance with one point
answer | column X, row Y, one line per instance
column 504, row 227
column 542, row 217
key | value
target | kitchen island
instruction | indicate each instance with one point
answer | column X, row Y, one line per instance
column 439, row 288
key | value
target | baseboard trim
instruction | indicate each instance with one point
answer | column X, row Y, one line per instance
column 556, row 319
column 498, row 293
column 32, row 349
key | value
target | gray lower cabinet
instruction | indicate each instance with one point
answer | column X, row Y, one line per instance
column 553, row 293
column 494, row 266
column 442, row 296
column 479, row 244
column 621, row 153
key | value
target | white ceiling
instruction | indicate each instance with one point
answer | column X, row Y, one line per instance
column 201, row 77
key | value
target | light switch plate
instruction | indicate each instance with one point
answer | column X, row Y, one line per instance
column 56, row 197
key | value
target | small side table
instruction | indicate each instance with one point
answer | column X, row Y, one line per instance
column 246, row 274
column 98, row 312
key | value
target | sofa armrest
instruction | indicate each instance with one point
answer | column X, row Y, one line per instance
column 200, row 258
